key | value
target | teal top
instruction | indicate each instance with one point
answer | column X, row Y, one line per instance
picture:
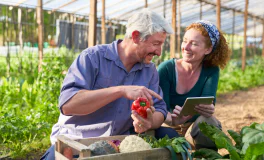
column 205, row 86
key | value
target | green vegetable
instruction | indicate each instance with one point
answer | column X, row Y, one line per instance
column 177, row 145
column 253, row 140
column 208, row 153
column 149, row 139
column 220, row 138
column 237, row 138
column 249, row 143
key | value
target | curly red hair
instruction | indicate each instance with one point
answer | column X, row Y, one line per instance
column 220, row 55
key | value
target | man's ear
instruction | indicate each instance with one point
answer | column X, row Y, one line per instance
column 136, row 36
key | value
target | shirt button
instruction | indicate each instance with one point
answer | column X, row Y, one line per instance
column 120, row 112
column 114, row 129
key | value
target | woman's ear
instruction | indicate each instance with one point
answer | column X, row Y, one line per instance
column 209, row 50
column 136, row 36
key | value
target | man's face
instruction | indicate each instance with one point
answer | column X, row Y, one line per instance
column 152, row 46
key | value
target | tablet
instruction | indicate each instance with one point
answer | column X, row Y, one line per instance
column 191, row 102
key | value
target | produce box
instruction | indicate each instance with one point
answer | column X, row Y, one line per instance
column 80, row 150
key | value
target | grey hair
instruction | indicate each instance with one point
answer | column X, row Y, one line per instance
column 147, row 23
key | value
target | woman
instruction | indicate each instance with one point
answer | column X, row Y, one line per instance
column 196, row 74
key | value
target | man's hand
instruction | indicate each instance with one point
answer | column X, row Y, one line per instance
column 141, row 124
column 205, row 109
column 176, row 118
column 133, row 92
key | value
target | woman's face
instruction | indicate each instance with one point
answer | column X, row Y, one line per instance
column 193, row 46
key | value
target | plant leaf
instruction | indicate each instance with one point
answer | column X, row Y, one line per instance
column 251, row 135
column 254, row 150
column 210, row 131
column 221, row 142
column 220, row 138
column 237, row 138
column 209, row 154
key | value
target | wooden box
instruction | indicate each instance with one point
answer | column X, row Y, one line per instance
column 80, row 148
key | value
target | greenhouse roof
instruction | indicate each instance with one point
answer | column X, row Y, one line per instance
column 121, row 10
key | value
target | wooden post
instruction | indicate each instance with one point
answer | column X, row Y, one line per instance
column 7, row 38
column 40, row 33
column 92, row 23
column 233, row 29
column 73, row 19
column 262, row 38
column 164, row 8
column 111, row 30
column 3, row 28
column 201, row 10
column 245, row 37
column 164, row 45
column 179, row 31
column 146, row 3
column 14, row 16
column 218, row 14
column 20, row 38
column 255, row 36
column 172, row 36
column 103, row 30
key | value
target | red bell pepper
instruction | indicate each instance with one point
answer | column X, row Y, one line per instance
column 141, row 105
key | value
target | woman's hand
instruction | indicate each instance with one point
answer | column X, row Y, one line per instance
column 176, row 118
column 205, row 109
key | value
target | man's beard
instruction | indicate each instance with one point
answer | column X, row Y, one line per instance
column 147, row 59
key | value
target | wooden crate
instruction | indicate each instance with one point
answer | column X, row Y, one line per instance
column 80, row 148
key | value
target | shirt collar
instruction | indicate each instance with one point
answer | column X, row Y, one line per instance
column 112, row 54
column 111, row 51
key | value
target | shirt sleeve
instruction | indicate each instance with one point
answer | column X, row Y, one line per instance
column 81, row 75
column 211, row 83
column 159, row 105
column 164, row 82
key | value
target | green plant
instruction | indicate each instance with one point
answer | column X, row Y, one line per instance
column 28, row 104
column 249, row 143
column 175, row 145
column 233, row 78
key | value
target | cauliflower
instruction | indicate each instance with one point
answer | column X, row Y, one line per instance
column 133, row 143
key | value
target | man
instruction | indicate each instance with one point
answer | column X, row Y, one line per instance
column 104, row 80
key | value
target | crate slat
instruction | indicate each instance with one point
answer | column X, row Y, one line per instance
column 80, row 147
column 153, row 154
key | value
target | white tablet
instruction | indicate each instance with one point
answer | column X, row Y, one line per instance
column 191, row 102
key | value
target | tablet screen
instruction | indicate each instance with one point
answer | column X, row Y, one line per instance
column 191, row 102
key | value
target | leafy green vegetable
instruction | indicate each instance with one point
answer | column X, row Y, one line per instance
column 252, row 136
column 207, row 153
column 149, row 139
column 254, row 151
column 221, row 142
column 249, row 143
column 237, row 138
column 179, row 144
column 211, row 132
